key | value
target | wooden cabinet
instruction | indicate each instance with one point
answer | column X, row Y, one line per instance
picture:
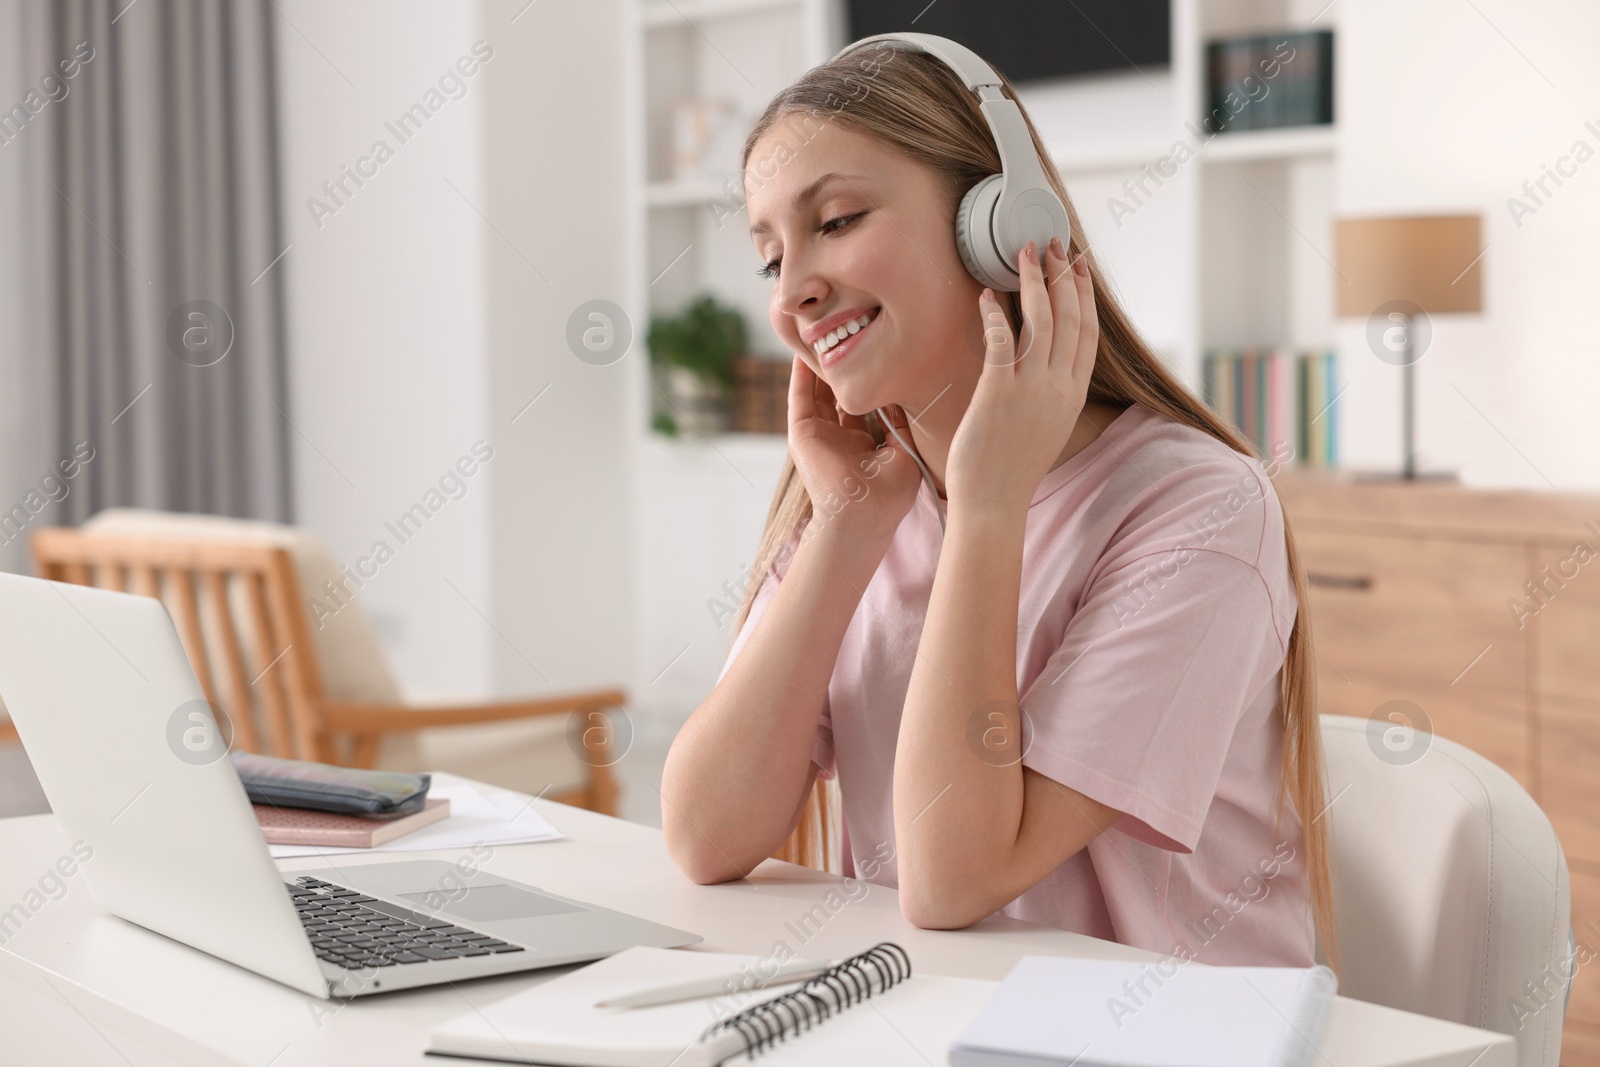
column 1492, row 724
column 1416, row 607
column 1583, row 1009
column 1481, row 610
column 1403, row 616
column 1564, row 610
column 1569, row 766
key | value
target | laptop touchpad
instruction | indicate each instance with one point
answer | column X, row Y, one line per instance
column 490, row 903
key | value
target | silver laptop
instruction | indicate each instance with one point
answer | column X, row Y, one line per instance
column 104, row 699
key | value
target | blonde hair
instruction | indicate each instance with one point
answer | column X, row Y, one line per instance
column 916, row 104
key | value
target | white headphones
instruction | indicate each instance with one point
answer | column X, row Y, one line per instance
column 1003, row 212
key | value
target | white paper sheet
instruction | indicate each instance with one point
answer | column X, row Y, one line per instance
column 479, row 814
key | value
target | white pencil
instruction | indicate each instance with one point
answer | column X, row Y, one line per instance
column 787, row 972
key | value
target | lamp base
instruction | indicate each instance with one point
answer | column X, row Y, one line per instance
column 1401, row 478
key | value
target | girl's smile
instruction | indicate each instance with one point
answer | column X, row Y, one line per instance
column 833, row 345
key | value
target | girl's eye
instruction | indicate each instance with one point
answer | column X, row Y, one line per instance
column 846, row 219
column 773, row 269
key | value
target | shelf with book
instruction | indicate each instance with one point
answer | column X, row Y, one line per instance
column 1277, row 80
column 1265, row 199
column 1281, row 398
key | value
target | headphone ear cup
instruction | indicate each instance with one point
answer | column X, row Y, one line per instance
column 975, row 237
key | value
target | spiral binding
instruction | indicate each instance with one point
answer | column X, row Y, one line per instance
column 849, row 982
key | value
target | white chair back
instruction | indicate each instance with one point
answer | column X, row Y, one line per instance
column 1450, row 887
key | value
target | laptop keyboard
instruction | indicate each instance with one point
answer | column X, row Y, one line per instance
column 358, row 932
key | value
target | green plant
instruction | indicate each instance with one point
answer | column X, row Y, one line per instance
column 704, row 337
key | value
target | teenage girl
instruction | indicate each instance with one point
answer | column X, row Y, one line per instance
column 1029, row 600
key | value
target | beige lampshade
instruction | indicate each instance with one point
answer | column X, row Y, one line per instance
column 1434, row 261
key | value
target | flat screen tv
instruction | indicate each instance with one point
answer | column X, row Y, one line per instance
column 1032, row 40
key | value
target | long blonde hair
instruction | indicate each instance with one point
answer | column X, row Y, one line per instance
column 913, row 102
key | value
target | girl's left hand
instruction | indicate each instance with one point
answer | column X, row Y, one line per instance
column 1026, row 404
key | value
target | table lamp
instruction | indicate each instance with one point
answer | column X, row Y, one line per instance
column 1398, row 271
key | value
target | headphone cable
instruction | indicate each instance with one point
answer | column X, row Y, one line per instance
column 887, row 425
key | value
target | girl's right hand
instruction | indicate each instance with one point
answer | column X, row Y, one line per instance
column 851, row 481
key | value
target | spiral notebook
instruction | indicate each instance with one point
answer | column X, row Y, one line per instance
column 867, row 1009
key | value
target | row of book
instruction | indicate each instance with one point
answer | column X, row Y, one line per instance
column 761, row 395
column 1268, row 81
column 1281, row 398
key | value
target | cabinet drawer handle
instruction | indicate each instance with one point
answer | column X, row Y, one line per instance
column 1339, row 581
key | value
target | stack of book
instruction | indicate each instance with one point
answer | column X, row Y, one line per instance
column 1269, row 81
column 301, row 826
column 1282, row 399
column 302, row 802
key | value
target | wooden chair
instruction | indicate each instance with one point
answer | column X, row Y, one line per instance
column 818, row 840
column 238, row 609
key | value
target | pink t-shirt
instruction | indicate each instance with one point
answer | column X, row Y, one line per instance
column 1155, row 612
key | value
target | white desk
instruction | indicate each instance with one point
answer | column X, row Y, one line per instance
column 82, row 987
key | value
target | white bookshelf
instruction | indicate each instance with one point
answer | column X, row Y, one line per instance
column 1232, row 250
column 1280, row 145
column 1266, row 200
column 658, row 13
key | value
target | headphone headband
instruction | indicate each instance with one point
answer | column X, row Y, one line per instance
column 972, row 68
column 1002, row 213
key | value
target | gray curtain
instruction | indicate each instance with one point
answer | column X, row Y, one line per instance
column 151, row 223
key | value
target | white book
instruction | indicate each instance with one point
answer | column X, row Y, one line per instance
column 1053, row 1011
column 911, row 1023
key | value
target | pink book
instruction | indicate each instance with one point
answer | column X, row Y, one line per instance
column 1275, row 427
column 301, row 826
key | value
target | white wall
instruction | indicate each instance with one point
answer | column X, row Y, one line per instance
column 1457, row 105
column 417, row 327
column 554, row 185
column 386, row 315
